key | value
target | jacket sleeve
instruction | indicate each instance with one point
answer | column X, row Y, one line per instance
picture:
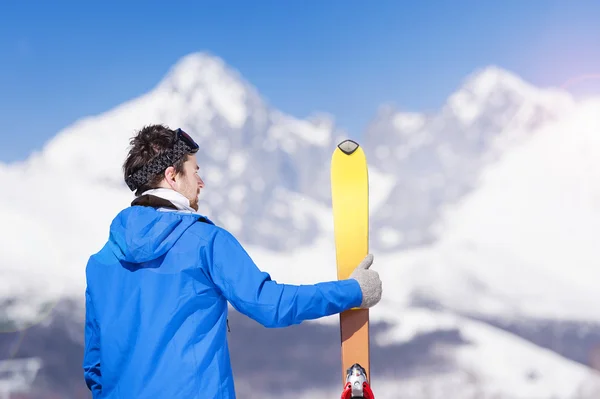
column 91, row 355
column 272, row 304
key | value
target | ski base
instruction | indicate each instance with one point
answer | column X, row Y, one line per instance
column 357, row 385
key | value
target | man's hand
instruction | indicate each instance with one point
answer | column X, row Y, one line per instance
column 369, row 281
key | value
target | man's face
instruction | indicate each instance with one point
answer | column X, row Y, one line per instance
column 189, row 182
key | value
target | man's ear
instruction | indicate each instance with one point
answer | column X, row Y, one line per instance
column 170, row 175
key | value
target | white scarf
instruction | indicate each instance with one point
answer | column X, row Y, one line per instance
column 177, row 199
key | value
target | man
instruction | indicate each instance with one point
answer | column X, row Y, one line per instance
column 157, row 292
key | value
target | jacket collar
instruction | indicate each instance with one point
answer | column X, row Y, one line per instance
column 164, row 198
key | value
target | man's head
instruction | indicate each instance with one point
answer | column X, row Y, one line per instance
column 161, row 157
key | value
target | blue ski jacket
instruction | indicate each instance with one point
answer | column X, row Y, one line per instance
column 156, row 306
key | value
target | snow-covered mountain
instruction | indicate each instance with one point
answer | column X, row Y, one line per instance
column 436, row 159
column 523, row 243
column 482, row 214
column 251, row 154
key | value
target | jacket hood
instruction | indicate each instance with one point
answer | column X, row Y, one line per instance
column 141, row 234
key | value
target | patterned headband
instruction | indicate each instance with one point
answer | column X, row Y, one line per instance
column 158, row 165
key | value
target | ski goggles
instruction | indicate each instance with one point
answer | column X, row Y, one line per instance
column 183, row 145
column 187, row 139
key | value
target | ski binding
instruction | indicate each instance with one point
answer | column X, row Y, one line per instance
column 357, row 384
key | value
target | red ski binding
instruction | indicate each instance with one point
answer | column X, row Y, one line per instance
column 357, row 385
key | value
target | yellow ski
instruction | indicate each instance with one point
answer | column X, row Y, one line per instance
column 350, row 202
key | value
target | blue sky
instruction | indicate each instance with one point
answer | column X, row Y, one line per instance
column 62, row 60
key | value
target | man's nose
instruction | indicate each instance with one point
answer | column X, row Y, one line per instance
column 200, row 182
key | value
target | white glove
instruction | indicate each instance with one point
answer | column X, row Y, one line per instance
column 369, row 281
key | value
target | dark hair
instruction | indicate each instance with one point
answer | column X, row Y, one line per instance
column 149, row 143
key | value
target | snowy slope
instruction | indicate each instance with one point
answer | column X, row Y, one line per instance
column 502, row 247
column 16, row 376
column 522, row 244
column 524, row 241
column 492, row 364
column 437, row 158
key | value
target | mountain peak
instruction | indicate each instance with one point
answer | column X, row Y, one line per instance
column 492, row 89
column 200, row 58
column 485, row 81
column 197, row 65
column 204, row 81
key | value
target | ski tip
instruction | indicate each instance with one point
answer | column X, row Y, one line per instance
column 348, row 146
